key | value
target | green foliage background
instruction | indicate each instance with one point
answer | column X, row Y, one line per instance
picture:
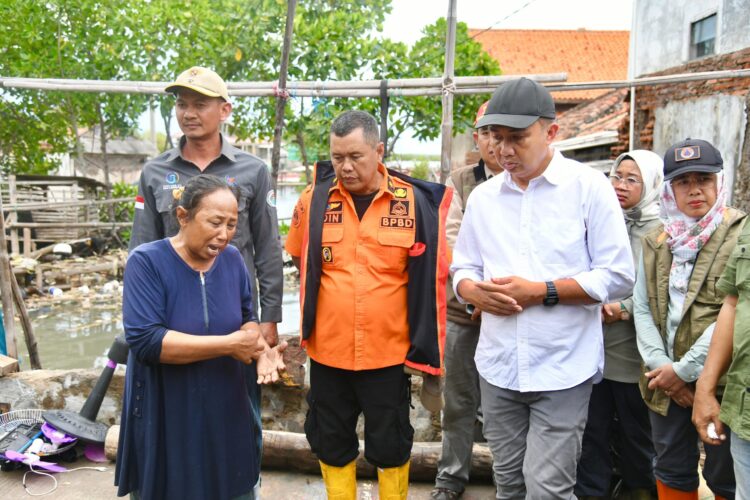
column 154, row 40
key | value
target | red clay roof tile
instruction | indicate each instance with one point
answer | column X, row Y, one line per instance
column 584, row 55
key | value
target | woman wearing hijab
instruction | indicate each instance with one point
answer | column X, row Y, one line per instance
column 636, row 177
column 676, row 303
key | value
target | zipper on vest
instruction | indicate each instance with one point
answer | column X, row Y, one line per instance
column 205, row 302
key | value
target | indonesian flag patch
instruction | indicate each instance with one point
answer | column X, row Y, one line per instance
column 139, row 202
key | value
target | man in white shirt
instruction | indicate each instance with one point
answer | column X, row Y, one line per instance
column 538, row 274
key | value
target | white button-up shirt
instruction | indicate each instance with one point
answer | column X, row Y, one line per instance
column 566, row 224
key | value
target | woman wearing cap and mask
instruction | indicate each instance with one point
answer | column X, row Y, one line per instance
column 637, row 178
column 676, row 303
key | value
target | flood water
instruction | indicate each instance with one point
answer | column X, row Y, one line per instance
column 76, row 330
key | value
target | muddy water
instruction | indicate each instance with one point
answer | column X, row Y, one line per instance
column 76, row 329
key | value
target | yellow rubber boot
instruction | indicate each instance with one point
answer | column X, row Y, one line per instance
column 393, row 482
column 341, row 482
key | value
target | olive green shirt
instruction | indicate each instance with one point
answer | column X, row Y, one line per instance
column 735, row 404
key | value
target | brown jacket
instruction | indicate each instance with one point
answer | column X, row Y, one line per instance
column 702, row 301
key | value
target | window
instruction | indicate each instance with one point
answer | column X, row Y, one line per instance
column 703, row 37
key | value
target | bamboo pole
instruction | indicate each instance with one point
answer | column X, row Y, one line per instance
column 6, row 292
column 267, row 87
column 281, row 93
column 15, row 207
column 28, row 329
column 446, row 128
column 316, row 89
column 83, row 225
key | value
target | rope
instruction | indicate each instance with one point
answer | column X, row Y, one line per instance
column 449, row 88
column 282, row 93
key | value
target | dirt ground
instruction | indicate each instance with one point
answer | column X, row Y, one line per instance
column 277, row 485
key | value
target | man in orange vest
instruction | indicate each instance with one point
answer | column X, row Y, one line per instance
column 370, row 245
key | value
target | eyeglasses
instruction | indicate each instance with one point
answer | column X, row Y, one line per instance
column 684, row 183
column 630, row 182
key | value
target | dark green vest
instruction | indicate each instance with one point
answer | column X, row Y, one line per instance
column 702, row 301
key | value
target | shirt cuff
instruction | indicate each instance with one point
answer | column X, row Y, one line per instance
column 727, row 287
column 270, row 314
column 593, row 287
column 687, row 371
column 656, row 362
column 462, row 274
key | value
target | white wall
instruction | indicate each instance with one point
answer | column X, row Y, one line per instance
column 660, row 36
column 718, row 119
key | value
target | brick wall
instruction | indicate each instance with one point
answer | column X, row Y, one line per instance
column 649, row 98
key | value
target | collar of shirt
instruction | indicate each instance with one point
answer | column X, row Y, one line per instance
column 226, row 149
column 554, row 173
column 385, row 184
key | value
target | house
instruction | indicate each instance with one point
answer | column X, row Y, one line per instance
column 584, row 55
column 691, row 36
column 595, row 132
column 125, row 158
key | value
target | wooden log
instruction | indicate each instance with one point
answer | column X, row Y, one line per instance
column 7, row 365
column 112, row 266
column 44, row 251
column 6, row 291
column 28, row 329
column 290, row 451
column 111, row 441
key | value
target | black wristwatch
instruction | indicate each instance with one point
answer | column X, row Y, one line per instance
column 551, row 298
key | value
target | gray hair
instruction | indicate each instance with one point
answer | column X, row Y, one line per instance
column 349, row 121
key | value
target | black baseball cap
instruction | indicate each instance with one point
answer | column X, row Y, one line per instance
column 518, row 104
column 691, row 155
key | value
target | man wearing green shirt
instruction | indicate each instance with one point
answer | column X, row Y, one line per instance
column 729, row 353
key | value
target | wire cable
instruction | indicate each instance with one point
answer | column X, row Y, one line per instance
column 32, row 470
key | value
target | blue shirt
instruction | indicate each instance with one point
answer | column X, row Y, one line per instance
column 185, row 429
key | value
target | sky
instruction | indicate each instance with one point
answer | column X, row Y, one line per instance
column 408, row 17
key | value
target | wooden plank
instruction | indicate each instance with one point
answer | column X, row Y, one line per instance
column 7, row 365
column 14, row 216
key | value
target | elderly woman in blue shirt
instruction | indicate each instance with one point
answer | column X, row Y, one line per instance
column 186, row 428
